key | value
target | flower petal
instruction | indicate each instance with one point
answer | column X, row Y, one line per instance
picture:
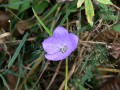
column 57, row 56
column 49, row 45
column 71, row 41
column 60, row 31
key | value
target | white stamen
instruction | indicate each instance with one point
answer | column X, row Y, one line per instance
column 63, row 49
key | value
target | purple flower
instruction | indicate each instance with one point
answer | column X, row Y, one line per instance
column 60, row 45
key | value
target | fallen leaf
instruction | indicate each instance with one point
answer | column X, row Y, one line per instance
column 4, row 35
column 114, row 49
column 111, row 84
column 112, row 38
column 22, row 26
column 108, row 36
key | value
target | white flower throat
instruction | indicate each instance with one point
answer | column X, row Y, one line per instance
column 63, row 48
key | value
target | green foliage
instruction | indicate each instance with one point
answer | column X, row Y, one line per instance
column 25, row 53
column 4, row 81
column 77, row 83
column 107, row 13
column 25, row 6
column 40, row 6
column 79, row 3
column 17, row 50
column 15, row 6
column 105, row 1
column 41, row 22
column 89, row 10
column 18, row 4
column 116, row 27
column 97, row 57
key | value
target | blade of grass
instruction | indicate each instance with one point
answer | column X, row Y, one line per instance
column 41, row 22
column 17, row 50
column 38, row 61
column 55, row 20
column 20, row 72
column 14, row 14
column 51, row 11
column 14, row 4
column 4, row 81
column 65, row 17
column 7, row 71
column 70, row 9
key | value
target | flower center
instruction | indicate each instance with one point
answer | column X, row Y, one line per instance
column 63, row 49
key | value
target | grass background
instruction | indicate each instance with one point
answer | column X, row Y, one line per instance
column 24, row 24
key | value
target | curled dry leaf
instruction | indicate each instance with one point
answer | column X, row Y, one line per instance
column 113, row 84
column 4, row 35
column 108, row 36
column 4, row 17
column 113, row 39
column 3, row 47
column 22, row 26
column 114, row 49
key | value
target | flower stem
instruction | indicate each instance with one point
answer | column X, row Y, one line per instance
column 66, row 74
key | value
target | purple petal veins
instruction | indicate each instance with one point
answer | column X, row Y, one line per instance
column 60, row 45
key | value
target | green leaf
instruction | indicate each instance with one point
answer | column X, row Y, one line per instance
column 117, row 27
column 110, row 17
column 79, row 3
column 4, row 82
column 105, row 1
column 89, row 10
column 24, row 6
column 14, row 6
column 39, row 7
column 81, row 87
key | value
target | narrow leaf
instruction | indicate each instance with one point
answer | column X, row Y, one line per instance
column 89, row 10
column 105, row 1
column 15, row 3
column 79, row 3
column 17, row 50
column 4, row 82
column 41, row 22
